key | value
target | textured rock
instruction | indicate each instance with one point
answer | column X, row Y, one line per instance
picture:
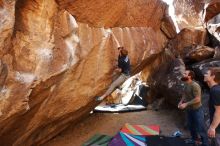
column 195, row 15
column 211, row 18
column 187, row 13
column 211, row 10
column 168, row 27
column 213, row 41
column 122, row 13
column 164, row 80
column 187, row 38
column 214, row 29
column 6, row 24
column 3, row 74
column 201, row 67
column 217, row 53
column 56, row 55
column 200, row 53
column 55, row 65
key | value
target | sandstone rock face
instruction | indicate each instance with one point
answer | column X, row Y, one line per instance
column 211, row 17
column 198, row 15
column 188, row 44
column 211, row 10
column 201, row 67
column 200, row 53
column 214, row 29
column 213, row 41
column 7, row 20
column 53, row 65
column 187, row 38
column 217, row 53
column 122, row 13
column 164, row 80
column 168, row 27
column 187, row 13
column 3, row 74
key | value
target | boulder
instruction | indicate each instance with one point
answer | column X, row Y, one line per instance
column 217, row 53
column 7, row 10
column 120, row 13
column 168, row 27
column 211, row 10
column 3, row 74
column 214, row 30
column 200, row 68
column 213, row 41
column 187, row 39
column 200, row 53
column 164, row 80
column 187, row 13
column 211, row 18
column 56, row 57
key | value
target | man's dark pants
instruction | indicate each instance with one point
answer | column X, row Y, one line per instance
column 196, row 124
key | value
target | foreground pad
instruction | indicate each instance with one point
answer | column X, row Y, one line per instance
column 124, row 139
column 165, row 141
column 119, row 108
column 98, row 140
column 141, row 129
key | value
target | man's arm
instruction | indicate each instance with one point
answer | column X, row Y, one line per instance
column 215, row 122
column 197, row 95
column 191, row 102
column 182, row 99
column 118, row 70
column 216, row 118
column 197, row 99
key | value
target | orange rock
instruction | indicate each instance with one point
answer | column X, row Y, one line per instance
column 57, row 64
column 167, row 26
column 212, row 9
column 120, row 13
column 200, row 53
column 187, row 13
column 187, row 38
column 211, row 18
column 7, row 20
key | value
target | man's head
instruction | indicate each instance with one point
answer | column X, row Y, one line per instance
column 123, row 51
column 212, row 75
column 120, row 48
column 188, row 75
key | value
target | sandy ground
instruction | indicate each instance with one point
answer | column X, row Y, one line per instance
column 109, row 124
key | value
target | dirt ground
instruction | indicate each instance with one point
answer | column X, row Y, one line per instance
column 109, row 124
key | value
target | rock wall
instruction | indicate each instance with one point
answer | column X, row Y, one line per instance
column 188, row 13
column 56, row 56
column 186, row 38
column 120, row 13
column 211, row 10
column 193, row 47
column 211, row 18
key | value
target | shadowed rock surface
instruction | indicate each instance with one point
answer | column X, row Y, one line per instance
column 57, row 55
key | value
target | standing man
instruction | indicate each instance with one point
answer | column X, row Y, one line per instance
column 212, row 78
column 191, row 101
column 123, row 68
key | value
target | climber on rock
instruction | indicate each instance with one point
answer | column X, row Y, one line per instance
column 123, row 68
